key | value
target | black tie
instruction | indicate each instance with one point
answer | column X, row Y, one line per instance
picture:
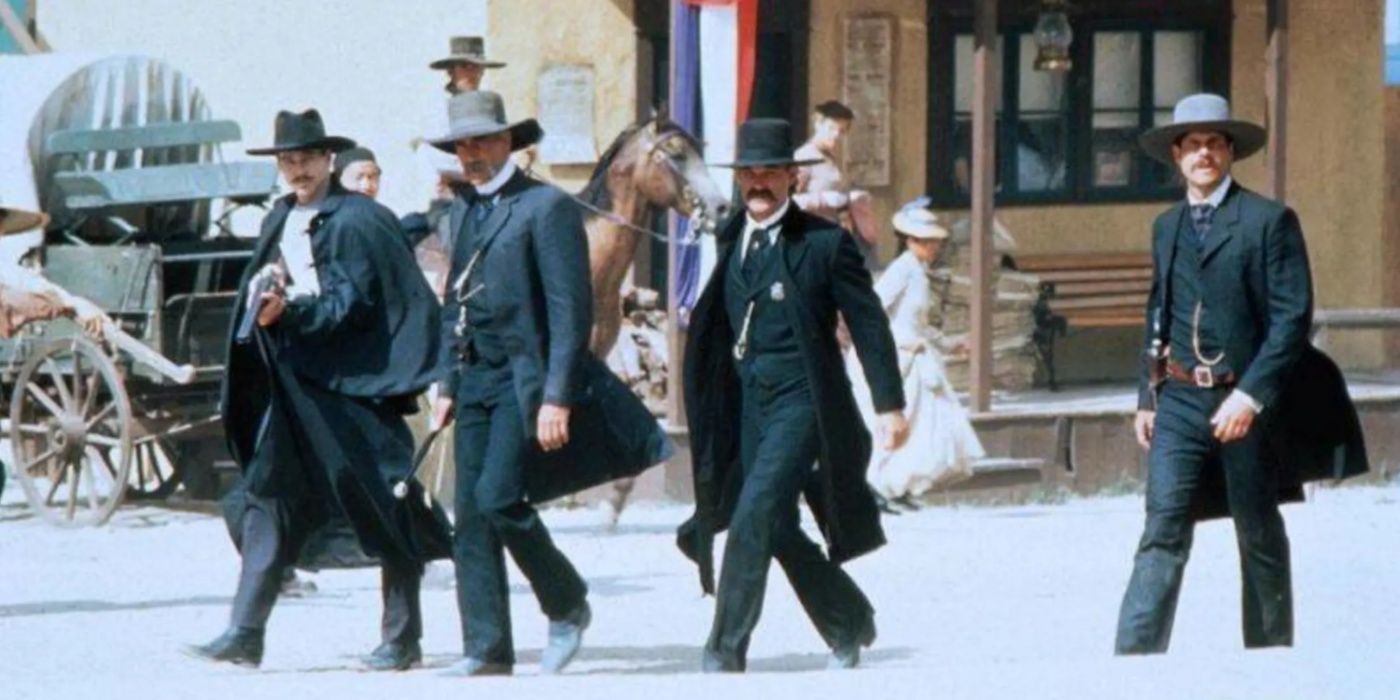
column 1201, row 217
column 482, row 207
column 758, row 243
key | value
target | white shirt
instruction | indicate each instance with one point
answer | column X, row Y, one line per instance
column 1215, row 197
column 494, row 185
column 296, row 253
column 750, row 226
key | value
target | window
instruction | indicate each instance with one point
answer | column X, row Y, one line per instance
column 1072, row 137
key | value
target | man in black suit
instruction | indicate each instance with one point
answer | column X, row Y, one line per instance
column 537, row 416
column 1227, row 336
column 767, row 399
column 313, row 399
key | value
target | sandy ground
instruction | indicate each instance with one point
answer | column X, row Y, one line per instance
column 1014, row 602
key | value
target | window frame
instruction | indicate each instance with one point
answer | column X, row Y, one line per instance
column 1212, row 19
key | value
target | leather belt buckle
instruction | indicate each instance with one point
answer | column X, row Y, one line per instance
column 1202, row 377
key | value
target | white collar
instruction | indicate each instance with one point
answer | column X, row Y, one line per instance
column 772, row 219
column 1215, row 197
column 493, row 185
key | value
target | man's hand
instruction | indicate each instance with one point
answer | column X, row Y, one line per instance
column 442, row 413
column 894, row 430
column 273, row 304
column 1143, row 426
column 1233, row 419
column 552, row 427
column 90, row 317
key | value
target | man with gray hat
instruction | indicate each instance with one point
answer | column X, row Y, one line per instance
column 323, row 364
column 466, row 64
column 537, row 416
column 1235, row 407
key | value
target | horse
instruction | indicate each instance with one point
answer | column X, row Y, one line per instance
column 651, row 166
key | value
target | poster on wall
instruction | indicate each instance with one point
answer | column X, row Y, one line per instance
column 867, row 64
column 566, row 115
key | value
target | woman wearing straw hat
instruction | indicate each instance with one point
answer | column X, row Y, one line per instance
column 942, row 443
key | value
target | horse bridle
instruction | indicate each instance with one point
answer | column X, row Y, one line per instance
column 664, row 150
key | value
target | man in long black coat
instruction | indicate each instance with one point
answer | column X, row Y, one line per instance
column 537, row 416
column 1235, row 406
column 314, row 398
column 767, row 399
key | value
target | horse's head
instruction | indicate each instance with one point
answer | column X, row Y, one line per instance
column 670, row 173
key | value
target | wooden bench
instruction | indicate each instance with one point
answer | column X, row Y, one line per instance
column 1086, row 290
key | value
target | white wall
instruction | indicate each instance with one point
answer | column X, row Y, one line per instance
column 362, row 63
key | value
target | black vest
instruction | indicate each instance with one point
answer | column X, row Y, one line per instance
column 481, row 330
column 1186, row 290
column 773, row 352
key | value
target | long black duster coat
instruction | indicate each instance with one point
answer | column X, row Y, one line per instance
column 331, row 375
column 823, row 273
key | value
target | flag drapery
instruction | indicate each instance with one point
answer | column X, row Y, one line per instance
column 712, row 77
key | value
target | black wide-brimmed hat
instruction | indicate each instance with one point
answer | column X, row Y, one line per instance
column 465, row 49
column 765, row 143
column 20, row 220
column 1203, row 112
column 350, row 156
column 483, row 113
column 301, row 132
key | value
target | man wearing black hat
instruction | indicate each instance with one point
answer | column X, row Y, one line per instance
column 465, row 64
column 1235, row 406
column 537, row 415
column 767, row 398
column 314, row 397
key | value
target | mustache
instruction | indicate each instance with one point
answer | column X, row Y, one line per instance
column 759, row 192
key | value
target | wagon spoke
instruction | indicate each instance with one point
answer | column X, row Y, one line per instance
column 44, row 399
column 44, row 456
column 101, row 415
column 75, row 477
column 104, row 440
column 51, row 368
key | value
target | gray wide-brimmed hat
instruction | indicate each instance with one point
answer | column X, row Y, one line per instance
column 483, row 113
column 301, row 132
column 765, row 143
column 465, row 49
column 20, row 220
column 1203, row 112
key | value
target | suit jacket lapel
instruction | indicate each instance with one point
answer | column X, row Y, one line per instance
column 792, row 242
column 500, row 214
column 1223, row 227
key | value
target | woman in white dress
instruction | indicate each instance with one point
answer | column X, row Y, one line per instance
column 942, row 443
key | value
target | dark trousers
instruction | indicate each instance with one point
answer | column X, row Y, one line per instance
column 492, row 516
column 1184, row 452
column 273, row 534
column 779, row 448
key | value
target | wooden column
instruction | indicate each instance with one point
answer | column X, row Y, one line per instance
column 1276, row 92
column 984, row 93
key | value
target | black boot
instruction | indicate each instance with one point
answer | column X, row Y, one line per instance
column 395, row 656
column 240, row 646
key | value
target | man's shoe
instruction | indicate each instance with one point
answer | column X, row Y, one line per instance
column 472, row 666
column 714, row 663
column 239, row 646
column 294, row 586
column 395, row 656
column 846, row 655
column 565, row 638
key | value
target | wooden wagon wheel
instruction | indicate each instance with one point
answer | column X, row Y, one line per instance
column 70, row 428
column 155, row 471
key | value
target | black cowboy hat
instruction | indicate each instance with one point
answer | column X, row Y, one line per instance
column 465, row 49
column 765, row 143
column 1203, row 112
column 301, row 132
column 483, row 113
